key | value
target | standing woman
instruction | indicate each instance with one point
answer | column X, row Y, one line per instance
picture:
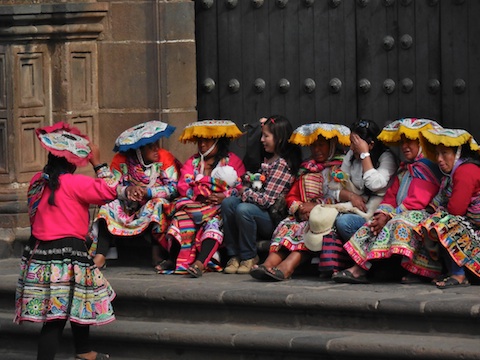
column 58, row 279
column 452, row 232
column 369, row 165
column 151, row 175
column 391, row 230
column 248, row 216
column 207, row 178
column 287, row 249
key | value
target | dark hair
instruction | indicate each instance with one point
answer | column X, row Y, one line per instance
column 55, row 167
column 368, row 130
column 223, row 146
column 281, row 129
column 469, row 155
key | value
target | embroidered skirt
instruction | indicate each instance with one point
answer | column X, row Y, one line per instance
column 58, row 280
column 289, row 234
column 397, row 237
column 457, row 235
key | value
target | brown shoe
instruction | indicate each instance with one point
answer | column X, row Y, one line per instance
column 232, row 265
column 246, row 265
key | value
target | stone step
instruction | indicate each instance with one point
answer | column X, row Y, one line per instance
column 237, row 317
column 129, row 338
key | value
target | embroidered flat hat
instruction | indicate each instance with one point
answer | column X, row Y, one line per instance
column 448, row 137
column 320, row 223
column 307, row 134
column 210, row 129
column 408, row 127
column 64, row 140
column 142, row 134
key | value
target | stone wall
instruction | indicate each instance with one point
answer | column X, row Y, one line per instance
column 100, row 65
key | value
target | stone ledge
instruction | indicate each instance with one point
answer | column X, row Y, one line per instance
column 44, row 21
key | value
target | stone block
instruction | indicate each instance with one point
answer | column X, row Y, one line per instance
column 127, row 76
column 122, row 28
column 177, row 20
column 181, row 151
column 179, row 76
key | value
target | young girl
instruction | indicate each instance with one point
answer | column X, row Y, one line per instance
column 58, row 279
column 248, row 216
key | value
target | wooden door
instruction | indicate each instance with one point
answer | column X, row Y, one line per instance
column 337, row 61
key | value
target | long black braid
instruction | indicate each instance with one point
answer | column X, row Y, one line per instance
column 55, row 167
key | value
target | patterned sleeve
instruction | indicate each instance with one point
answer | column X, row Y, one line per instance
column 278, row 181
column 169, row 177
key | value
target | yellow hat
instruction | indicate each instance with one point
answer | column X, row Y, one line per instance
column 408, row 127
column 447, row 137
column 306, row 135
column 210, row 129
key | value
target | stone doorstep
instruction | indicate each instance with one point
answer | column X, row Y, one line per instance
column 128, row 335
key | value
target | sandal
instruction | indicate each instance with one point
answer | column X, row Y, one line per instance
column 452, row 282
column 277, row 274
column 164, row 265
column 260, row 272
column 346, row 276
column 99, row 356
column 195, row 271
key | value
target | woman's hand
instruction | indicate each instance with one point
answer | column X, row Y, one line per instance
column 304, row 210
column 358, row 145
column 378, row 222
column 215, row 198
column 358, row 202
column 136, row 193
column 242, row 190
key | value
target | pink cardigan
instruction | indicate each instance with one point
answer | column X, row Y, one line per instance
column 70, row 216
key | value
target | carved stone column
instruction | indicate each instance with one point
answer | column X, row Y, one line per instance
column 48, row 73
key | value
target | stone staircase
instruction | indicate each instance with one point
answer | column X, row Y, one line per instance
column 235, row 317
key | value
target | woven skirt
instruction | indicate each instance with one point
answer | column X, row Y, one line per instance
column 59, row 281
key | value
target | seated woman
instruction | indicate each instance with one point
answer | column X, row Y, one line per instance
column 287, row 249
column 368, row 166
column 150, row 174
column 247, row 216
column 390, row 232
column 455, row 223
column 207, row 178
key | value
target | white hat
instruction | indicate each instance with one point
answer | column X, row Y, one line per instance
column 320, row 223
